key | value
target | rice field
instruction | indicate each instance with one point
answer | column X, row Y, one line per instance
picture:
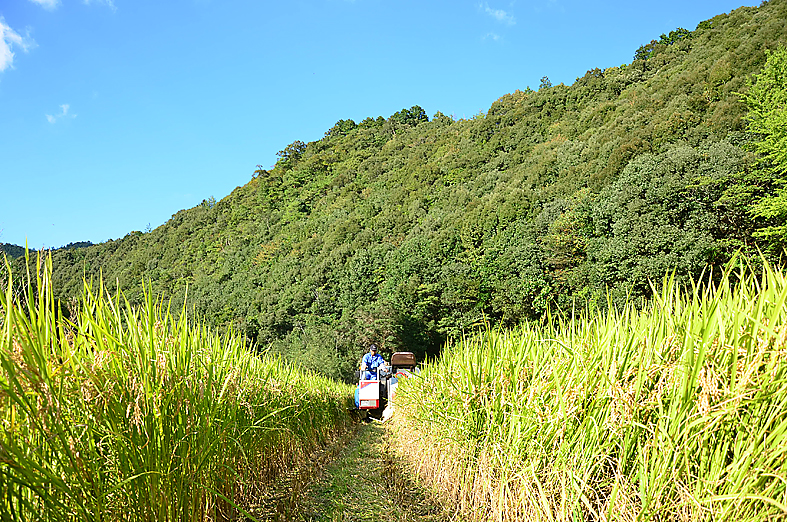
column 128, row 413
column 677, row 411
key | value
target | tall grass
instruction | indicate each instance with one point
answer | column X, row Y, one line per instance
column 125, row 413
column 675, row 412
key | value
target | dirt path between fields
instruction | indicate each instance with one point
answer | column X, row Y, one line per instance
column 357, row 479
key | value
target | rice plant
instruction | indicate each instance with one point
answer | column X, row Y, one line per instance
column 673, row 412
column 127, row 413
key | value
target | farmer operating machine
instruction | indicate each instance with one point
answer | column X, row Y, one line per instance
column 373, row 395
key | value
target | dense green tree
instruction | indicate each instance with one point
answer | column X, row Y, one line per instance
column 342, row 127
column 412, row 116
column 291, row 154
column 13, row 251
column 646, row 51
column 766, row 100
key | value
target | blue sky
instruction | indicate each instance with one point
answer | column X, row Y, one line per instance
column 115, row 114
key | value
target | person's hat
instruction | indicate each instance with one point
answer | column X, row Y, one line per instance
column 373, row 348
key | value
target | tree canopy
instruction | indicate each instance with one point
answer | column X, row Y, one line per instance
column 766, row 99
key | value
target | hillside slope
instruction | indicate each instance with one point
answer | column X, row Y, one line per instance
column 12, row 251
column 405, row 231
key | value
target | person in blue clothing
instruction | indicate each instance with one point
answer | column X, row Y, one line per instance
column 371, row 362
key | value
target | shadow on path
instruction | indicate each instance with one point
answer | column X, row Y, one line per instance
column 360, row 480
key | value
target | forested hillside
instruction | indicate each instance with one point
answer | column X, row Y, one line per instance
column 12, row 250
column 406, row 230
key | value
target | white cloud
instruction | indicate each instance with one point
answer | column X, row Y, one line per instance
column 9, row 39
column 492, row 36
column 108, row 3
column 498, row 14
column 50, row 5
column 63, row 114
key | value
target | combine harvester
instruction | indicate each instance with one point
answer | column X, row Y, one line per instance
column 375, row 395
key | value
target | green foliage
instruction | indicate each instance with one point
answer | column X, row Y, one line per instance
column 662, row 214
column 407, row 232
column 412, row 116
column 646, row 51
column 291, row 154
column 766, row 100
column 342, row 127
column 12, row 251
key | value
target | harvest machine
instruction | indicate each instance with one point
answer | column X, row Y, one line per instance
column 373, row 395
